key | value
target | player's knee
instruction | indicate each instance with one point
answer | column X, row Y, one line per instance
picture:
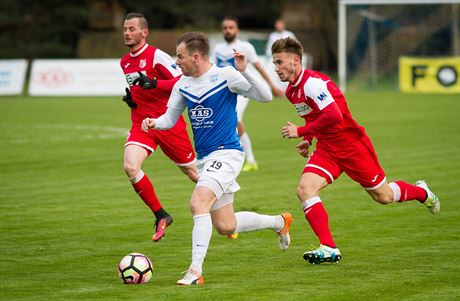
column 305, row 191
column 225, row 228
column 131, row 169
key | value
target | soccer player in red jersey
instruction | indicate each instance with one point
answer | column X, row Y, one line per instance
column 151, row 74
column 342, row 146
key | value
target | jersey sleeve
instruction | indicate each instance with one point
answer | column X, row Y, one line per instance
column 244, row 83
column 316, row 89
column 165, row 65
column 176, row 99
column 251, row 54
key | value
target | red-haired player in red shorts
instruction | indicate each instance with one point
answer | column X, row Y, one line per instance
column 342, row 146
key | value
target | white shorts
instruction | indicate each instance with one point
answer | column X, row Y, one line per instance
column 241, row 105
column 218, row 171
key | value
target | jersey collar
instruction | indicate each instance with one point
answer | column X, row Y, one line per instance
column 134, row 54
column 299, row 78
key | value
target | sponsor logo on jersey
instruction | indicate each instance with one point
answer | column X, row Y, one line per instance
column 130, row 77
column 142, row 63
column 200, row 113
column 322, row 96
column 302, row 109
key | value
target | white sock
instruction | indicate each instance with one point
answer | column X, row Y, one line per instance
column 396, row 191
column 247, row 148
column 251, row 221
column 201, row 236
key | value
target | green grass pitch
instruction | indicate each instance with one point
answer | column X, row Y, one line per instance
column 68, row 213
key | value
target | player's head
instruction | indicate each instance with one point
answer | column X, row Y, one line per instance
column 230, row 28
column 192, row 52
column 135, row 30
column 287, row 57
column 279, row 25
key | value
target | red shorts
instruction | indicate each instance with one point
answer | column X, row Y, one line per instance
column 353, row 155
column 175, row 142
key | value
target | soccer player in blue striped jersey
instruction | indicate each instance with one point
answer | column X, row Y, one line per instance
column 210, row 94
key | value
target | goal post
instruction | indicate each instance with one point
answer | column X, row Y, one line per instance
column 373, row 34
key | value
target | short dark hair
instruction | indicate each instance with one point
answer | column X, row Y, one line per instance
column 143, row 23
column 195, row 41
column 289, row 44
column 232, row 18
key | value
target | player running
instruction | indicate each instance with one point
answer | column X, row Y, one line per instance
column 151, row 74
column 222, row 56
column 342, row 146
column 210, row 94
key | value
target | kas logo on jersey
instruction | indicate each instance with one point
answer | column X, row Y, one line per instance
column 200, row 113
column 142, row 63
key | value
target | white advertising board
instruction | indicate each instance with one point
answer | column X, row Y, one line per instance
column 76, row 77
column 12, row 76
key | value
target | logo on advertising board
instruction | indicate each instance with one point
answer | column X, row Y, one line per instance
column 429, row 75
column 53, row 77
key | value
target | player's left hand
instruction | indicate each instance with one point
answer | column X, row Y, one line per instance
column 289, row 131
column 145, row 82
column 303, row 148
column 241, row 63
column 148, row 123
column 129, row 99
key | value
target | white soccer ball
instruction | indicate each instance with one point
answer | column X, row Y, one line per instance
column 135, row 268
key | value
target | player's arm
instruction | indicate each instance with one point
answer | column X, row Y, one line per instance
column 176, row 106
column 275, row 90
column 246, row 84
column 330, row 116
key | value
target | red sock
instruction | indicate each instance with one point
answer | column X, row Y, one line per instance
column 317, row 217
column 408, row 192
column 145, row 190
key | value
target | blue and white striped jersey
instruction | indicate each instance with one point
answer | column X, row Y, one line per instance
column 211, row 102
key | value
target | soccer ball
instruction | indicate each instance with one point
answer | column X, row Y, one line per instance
column 135, row 268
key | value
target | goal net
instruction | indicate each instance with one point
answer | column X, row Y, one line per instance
column 373, row 35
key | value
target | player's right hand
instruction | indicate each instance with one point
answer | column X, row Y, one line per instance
column 129, row 99
column 302, row 148
column 148, row 123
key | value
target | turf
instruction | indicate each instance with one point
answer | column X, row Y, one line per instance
column 68, row 213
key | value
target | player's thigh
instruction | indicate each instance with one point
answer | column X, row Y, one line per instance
column 310, row 185
column 320, row 171
column 202, row 200
column 139, row 145
column 241, row 105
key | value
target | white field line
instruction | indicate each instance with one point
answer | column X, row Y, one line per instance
column 91, row 132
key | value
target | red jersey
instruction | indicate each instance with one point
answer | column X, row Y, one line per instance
column 322, row 105
column 153, row 63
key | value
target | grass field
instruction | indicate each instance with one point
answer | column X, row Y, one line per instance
column 68, row 213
